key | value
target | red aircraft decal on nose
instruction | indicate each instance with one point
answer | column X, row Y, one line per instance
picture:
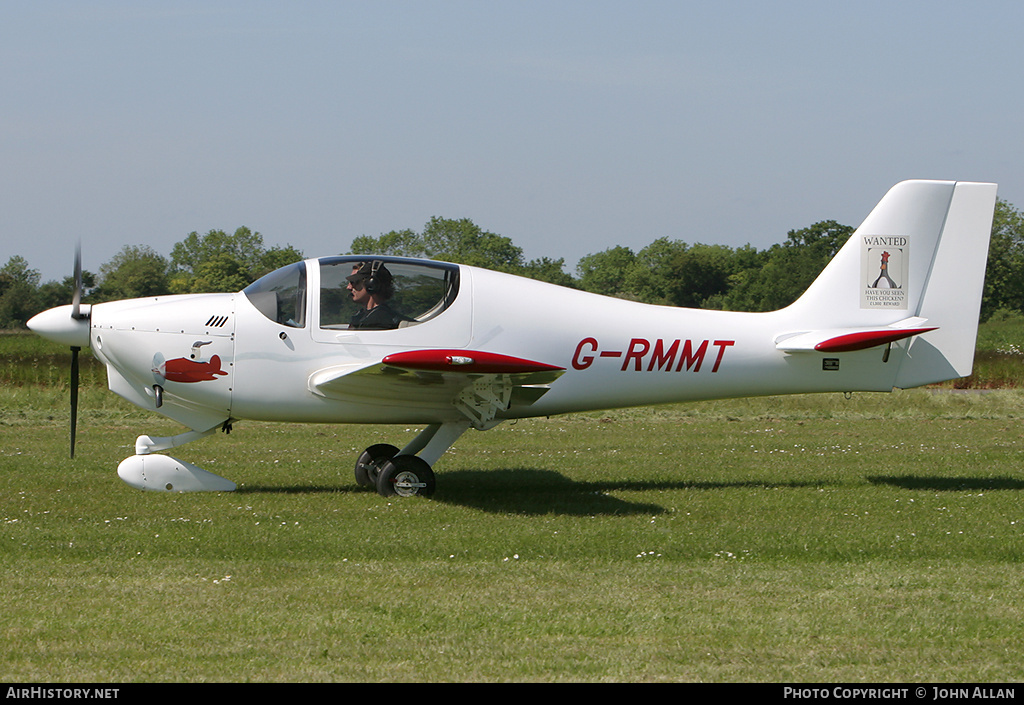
column 184, row 370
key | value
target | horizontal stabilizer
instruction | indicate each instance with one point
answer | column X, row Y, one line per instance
column 838, row 340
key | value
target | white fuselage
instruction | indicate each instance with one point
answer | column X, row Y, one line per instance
column 216, row 357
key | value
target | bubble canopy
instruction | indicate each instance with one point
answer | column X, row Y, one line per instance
column 415, row 290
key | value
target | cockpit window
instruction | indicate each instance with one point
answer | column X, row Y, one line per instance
column 281, row 295
column 405, row 292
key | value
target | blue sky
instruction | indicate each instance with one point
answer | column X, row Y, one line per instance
column 569, row 127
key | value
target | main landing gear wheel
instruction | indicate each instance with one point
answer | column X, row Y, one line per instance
column 371, row 461
column 406, row 476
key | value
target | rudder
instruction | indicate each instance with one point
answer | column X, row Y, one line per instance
column 952, row 293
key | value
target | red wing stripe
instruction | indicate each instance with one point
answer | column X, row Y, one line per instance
column 465, row 361
column 867, row 339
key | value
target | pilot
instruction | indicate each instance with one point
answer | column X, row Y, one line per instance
column 371, row 286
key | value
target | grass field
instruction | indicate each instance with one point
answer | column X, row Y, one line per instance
column 804, row 539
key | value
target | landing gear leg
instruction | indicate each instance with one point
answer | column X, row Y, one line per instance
column 435, row 440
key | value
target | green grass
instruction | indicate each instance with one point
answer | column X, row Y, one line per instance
column 802, row 539
column 27, row 359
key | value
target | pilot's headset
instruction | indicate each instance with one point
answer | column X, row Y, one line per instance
column 371, row 283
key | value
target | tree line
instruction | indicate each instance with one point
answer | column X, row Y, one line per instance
column 668, row 272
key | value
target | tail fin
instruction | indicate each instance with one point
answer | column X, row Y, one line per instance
column 916, row 265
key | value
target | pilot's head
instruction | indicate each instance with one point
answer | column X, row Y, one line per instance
column 373, row 278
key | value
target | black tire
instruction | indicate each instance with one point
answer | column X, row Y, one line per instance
column 370, row 462
column 406, row 476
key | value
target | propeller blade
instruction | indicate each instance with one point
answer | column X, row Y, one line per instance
column 74, row 396
column 76, row 297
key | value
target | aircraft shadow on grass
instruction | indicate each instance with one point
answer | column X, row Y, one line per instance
column 948, row 484
column 531, row 491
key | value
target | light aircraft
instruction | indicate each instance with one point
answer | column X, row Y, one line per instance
column 465, row 347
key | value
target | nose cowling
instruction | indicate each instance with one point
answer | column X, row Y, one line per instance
column 62, row 326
